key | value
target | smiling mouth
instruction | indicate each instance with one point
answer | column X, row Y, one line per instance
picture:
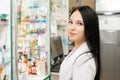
column 72, row 34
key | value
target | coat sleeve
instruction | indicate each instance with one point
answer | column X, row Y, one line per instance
column 84, row 71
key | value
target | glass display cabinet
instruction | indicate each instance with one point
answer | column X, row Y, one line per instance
column 5, row 40
column 32, row 42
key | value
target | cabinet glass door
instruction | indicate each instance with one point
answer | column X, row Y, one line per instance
column 33, row 53
column 5, row 40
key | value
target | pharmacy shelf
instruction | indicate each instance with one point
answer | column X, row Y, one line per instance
column 4, row 64
column 23, row 76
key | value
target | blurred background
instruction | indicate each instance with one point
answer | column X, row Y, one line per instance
column 34, row 41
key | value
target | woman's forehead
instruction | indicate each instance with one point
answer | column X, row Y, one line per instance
column 76, row 16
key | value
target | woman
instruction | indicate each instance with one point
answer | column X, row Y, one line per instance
column 83, row 62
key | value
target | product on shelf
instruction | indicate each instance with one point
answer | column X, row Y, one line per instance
column 32, row 39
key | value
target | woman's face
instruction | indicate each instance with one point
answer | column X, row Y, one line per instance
column 76, row 27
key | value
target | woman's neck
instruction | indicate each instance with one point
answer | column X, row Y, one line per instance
column 78, row 43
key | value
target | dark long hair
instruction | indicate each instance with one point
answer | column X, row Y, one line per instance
column 92, row 35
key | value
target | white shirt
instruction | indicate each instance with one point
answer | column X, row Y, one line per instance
column 74, row 67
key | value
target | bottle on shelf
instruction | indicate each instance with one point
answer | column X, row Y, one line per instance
column 29, row 67
column 34, row 70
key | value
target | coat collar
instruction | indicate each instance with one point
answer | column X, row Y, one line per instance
column 69, row 61
column 81, row 49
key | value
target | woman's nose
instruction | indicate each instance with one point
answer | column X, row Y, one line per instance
column 72, row 26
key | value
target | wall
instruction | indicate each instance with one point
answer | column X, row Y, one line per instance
column 90, row 3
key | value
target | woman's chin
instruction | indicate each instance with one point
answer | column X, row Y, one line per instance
column 71, row 39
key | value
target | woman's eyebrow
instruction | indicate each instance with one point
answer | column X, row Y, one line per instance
column 79, row 21
column 70, row 19
column 76, row 20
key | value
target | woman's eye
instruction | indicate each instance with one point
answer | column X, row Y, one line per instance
column 70, row 22
column 80, row 24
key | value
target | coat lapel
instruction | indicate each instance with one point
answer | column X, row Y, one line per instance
column 67, row 64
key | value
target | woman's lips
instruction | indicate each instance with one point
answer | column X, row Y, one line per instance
column 71, row 34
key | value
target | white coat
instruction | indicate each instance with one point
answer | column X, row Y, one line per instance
column 75, row 67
